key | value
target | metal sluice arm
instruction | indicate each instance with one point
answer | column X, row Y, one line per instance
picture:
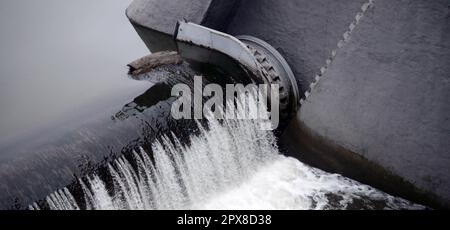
column 239, row 56
column 199, row 44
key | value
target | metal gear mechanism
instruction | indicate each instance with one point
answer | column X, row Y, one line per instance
column 277, row 71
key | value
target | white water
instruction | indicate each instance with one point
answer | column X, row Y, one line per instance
column 232, row 165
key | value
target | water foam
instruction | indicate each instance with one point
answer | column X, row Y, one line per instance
column 232, row 164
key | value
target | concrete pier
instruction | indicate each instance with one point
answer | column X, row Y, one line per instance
column 386, row 98
column 374, row 75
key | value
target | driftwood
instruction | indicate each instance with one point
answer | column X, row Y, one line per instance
column 149, row 62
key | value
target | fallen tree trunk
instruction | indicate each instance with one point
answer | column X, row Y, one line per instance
column 149, row 62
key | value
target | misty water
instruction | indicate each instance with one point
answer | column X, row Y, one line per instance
column 62, row 60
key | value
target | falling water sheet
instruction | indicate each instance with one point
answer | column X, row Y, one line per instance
column 229, row 165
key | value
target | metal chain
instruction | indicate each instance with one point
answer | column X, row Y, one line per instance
column 345, row 38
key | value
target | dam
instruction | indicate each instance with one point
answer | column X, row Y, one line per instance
column 364, row 114
column 356, row 64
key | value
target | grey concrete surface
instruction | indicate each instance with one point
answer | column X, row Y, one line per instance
column 303, row 31
column 155, row 20
column 386, row 97
column 163, row 15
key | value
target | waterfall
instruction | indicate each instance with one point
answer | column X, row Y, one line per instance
column 229, row 164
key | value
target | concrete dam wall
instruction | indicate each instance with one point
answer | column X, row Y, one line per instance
column 374, row 75
column 386, row 95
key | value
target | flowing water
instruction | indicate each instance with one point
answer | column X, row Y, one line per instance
column 228, row 165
